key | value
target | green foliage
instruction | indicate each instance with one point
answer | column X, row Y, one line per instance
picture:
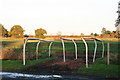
column 40, row 33
column 3, row 31
column 95, row 34
column 91, row 34
column 108, row 32
column 16, row 31
column 103, row 31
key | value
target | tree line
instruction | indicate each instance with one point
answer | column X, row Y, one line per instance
column 18, row 32
column 107, row 33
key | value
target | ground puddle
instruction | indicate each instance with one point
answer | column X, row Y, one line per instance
column 31, row 76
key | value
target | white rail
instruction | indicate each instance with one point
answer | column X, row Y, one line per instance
column 63, row 50
column 63, row 44
column 95, row 50
column 86, row 46
column 74, row 45
column 37, row 50
column 50, row 48
column 75, row 48
column 24, row 46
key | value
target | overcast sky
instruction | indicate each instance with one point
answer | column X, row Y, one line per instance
column 66, row 16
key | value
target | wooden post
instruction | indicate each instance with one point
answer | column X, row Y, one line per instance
column 103, row 49
column 108, row 53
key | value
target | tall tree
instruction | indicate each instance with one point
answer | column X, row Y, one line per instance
column 108, row 32
column 103, row 31
column 16, row 31
column 95, row 34
column 92, row 34
column 3, row 31
column 40, row 33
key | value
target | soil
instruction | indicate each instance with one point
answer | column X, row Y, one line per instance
column 56, row 66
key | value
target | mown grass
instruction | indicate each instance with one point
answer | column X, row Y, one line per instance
column 69, row 46
column 13, row 65
column 101, row 69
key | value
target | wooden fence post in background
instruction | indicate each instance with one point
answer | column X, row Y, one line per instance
column 108, row 53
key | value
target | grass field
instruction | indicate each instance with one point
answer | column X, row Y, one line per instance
column 13, row 65
column 99, row 67
column 57, row 46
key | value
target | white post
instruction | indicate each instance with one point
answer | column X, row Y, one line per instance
column 24, row 51
column 86, row 52
column 103, row 49
column 95, row 50
column 37, row 50
column 50, row 48
column 75, row 48
column 63, row 50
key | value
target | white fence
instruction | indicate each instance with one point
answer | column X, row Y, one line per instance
column 63, row 44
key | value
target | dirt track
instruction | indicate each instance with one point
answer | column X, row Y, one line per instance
column 56, row 66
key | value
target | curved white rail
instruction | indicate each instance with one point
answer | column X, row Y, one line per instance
column 24, row 46
column 50, row 48
column 95, row 50
column 37, row 50
column 86, row 46
column 73, row 40
column 63, row 50
column 62, row 40
column 75, row 48
column 25, row 41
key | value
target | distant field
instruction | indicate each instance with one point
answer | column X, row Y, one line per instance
column 109, row 39
column 52, row 38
